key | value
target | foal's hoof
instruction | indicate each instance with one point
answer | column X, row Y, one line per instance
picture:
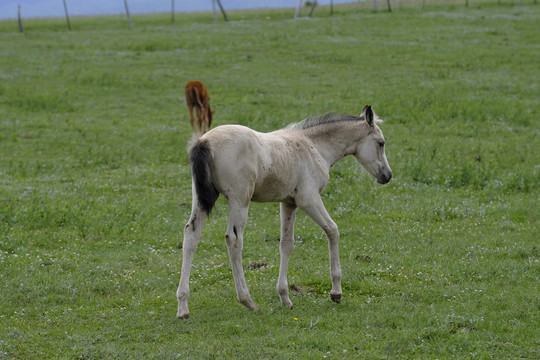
column 183, row 316
column 287, row 303
column 250, row 304
column 335, row 298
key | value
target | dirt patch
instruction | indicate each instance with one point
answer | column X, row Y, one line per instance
column 302, row 290
column 296, row 289
column 257, row 265
column 364, row 258
column 460, row 328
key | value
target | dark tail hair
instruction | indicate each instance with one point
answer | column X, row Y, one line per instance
column 200, row 159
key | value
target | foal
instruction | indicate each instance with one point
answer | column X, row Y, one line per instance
column 197, row 97
column 290, row 166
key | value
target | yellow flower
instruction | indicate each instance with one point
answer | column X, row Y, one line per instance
column 295, row 319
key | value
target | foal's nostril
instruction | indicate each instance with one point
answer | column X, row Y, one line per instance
column 384, row 178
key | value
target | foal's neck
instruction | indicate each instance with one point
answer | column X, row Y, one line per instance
column 336, row 140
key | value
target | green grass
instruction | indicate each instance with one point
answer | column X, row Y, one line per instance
column 443, row 262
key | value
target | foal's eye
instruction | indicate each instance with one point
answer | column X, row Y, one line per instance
column 381, row 144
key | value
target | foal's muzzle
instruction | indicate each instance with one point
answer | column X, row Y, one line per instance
column 384, row 177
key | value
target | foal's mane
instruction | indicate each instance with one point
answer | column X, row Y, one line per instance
column 328, row 118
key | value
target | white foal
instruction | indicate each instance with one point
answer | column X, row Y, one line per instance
column 290, row 166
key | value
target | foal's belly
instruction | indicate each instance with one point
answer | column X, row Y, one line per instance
column 273, row 190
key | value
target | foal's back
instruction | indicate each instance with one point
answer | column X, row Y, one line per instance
column 196, row 93
column 253, row 166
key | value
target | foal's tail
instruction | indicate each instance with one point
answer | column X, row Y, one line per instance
column 200, row 158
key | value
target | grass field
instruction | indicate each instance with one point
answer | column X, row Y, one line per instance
column 443, row 262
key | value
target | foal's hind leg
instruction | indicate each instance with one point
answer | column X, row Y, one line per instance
column 200, row 118
column 288, row 214
column 192, row 118
column 192, row 235
column 235, row 239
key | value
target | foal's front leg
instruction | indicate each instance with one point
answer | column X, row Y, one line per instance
column 288, row 214
column 235, row 242
column 314, row 208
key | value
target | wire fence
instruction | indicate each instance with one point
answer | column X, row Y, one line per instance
column 387, row 5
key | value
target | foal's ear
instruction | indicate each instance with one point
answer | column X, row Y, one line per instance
column 368, row 115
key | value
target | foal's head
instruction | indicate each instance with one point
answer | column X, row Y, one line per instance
column 370, row 151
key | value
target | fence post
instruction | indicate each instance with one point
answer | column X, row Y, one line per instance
column 127, row 13
column 313, row 4
column 297, row 12
column 172, row 11
column 19, row 20
column 222, row 10
column 67, row 16
column 214, row 10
